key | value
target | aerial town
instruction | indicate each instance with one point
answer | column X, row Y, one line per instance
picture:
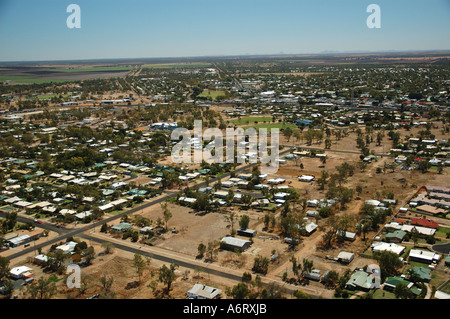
column 93, row 204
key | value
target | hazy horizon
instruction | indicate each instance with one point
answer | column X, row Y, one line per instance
column 35, row 31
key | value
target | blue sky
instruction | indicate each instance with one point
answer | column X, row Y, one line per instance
column 34, row 30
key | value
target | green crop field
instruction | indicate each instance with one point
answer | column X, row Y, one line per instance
column 96, row 69
column 177, row 66
column 28, row 79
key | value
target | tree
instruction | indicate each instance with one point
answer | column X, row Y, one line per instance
column 327, row 143
column 246, row 199
column 322, row 181
column 299, row 294
column 389, row 263
column 167, row 275
column 230, row 218
column 4, row 268
column 240, row 291
column 212, row 249
column 56, row 260
column 139, row 264
column 244, row 221
column 107, row 284
column 8, row 288
column 261, row 264
column 358, row 189
column 415, row 235
column 424, row 166
column 167, row 214
column 331, row 279
column 201, row 250
column 44, row 288
column 323, row 159
column 288, row 133
column 402, row 291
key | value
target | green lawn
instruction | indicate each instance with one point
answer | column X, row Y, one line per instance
column 212, row 94
column 49, row 96
column 269, row 126
column 442, row 232
column 383, row 294
column 251, row 120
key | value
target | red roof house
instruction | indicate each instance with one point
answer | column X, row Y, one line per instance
column 425, row 222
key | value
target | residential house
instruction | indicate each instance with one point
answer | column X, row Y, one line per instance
column 20, row 272
column 396, row 236
column 361, row 280
column 425, row 222
column 392, row 282
column 424, row 256
column 199, row 291
column 122, row 227
column 345, row 257
column 391, row 247
column 423, row 273
column 68, row 247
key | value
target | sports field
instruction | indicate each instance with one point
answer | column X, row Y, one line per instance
column 212, row 94
column 252, row 120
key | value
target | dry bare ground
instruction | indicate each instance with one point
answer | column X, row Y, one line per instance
column 194, row 229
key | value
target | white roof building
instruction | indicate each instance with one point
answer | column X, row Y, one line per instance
column 306, row 178
column 200, row 291
column 382, row 246
column 424, row 255
column 17, row 272
column 372, row 202
column 67, row 247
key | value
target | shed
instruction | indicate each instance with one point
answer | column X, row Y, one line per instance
column 306, row 178
column 346, row 235
column 247, row 232
column 345, row 257
column 313, row 275
column 233, row 243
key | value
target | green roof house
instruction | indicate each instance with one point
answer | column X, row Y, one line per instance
column 392, row 282
column 121, row 227
column 360, row 280
column 423, row 273
column 396, row 236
